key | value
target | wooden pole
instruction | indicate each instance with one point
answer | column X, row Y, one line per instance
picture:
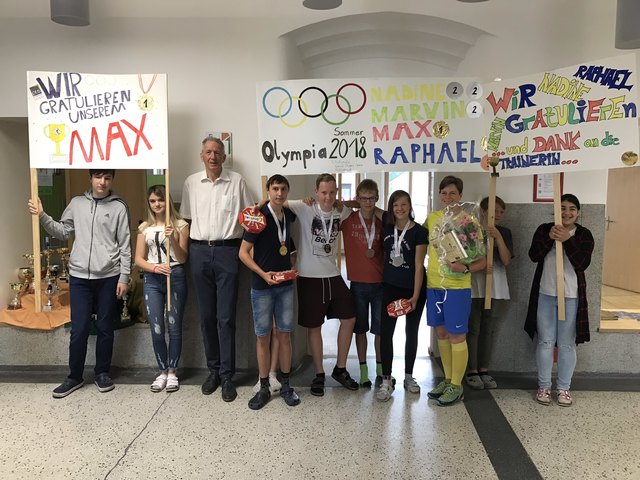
column 264, row 187
column 35, row 234
column 167, row 221
column 491, row 222
column 557, row 219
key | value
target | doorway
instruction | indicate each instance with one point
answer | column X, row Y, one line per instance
column 420, row 186
column 620, row 282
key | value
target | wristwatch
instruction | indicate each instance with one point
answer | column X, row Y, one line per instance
column 466, row 269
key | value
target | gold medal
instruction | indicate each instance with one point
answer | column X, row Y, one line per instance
column 146, row 102
column 629, row 158
column 283, row 250
column 440, row 129
column 327, row 248
column 370, row 252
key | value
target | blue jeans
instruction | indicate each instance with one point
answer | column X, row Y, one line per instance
column 552, row 331
column 269, row 302
column 87, row 297
column 365, row 295
column 155, row 300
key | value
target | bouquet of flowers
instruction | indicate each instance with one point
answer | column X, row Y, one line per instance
column 460, row 237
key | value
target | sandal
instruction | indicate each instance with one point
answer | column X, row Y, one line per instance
column 172, row 383
column 317, row 386
column 159, row 383
column 344, row 379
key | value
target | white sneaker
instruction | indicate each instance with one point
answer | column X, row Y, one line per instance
column 411, row 385
column 159, row 383
column 256, row 387
column 274, row 385
column 384, row 392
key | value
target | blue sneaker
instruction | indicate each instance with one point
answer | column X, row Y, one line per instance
column 68, row 386
column 104, row 383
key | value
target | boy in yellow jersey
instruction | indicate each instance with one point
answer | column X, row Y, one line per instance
column 449, row 300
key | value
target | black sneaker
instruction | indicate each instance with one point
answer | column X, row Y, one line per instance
column 104, row 383
column 290, row 397
column 68, row 386
column 211, row 384
column 260, row 399
column 229, row 392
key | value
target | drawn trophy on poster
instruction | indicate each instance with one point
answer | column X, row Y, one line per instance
column 56, row 133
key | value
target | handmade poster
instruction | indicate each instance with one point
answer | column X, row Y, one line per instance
column 582, row 117
column 81, row 120
column 368, row 125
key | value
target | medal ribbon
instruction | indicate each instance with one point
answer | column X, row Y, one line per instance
column 397, row 242
column 155, row 75
column 282, row 234
column 326, row 230
column 369, row 235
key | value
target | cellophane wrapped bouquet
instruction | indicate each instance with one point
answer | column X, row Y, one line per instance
column 461, row 237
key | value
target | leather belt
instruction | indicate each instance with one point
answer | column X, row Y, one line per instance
column 232, row 242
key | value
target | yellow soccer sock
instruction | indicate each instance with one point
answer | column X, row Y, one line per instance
column 445, row 355
column 459, row 359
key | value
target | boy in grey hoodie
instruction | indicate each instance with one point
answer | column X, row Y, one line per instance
column 99, row 268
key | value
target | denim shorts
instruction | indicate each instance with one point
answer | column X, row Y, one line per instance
column 269, row 303
column 365, row 295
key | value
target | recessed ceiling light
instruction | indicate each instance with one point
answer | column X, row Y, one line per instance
column 322, row 4
column 74, row 13
column 497, row 79
column 472, row 1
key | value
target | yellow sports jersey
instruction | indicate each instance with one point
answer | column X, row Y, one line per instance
column 436, row 276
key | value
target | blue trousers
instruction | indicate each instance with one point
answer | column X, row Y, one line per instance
column 87, row 297
column 552, row 331
column 215, row 277
column 155, row 300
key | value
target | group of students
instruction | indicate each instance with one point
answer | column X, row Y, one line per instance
column 385, row 253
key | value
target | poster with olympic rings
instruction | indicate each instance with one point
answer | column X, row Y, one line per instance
column 369, row 125
column 80, row 120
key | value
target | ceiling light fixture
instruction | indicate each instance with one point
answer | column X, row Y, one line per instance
column 322, row 4
column 73, row 13
column 627, row 17
column 472, row 1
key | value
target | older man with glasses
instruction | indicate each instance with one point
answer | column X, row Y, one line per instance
column 212, row 200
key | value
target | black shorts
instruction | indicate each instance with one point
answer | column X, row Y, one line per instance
column 323, row 297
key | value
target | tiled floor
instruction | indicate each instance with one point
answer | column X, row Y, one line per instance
column 131, row 433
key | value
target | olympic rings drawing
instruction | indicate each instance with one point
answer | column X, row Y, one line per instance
column 341, row 101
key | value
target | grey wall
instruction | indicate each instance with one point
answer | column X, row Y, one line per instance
column 514, row 351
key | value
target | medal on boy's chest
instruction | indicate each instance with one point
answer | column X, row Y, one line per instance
column 326, row 229
column 368, row 234
column 282, row 231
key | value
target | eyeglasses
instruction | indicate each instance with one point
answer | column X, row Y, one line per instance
column 367, row 199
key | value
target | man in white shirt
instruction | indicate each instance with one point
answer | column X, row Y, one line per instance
column 212, row 199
